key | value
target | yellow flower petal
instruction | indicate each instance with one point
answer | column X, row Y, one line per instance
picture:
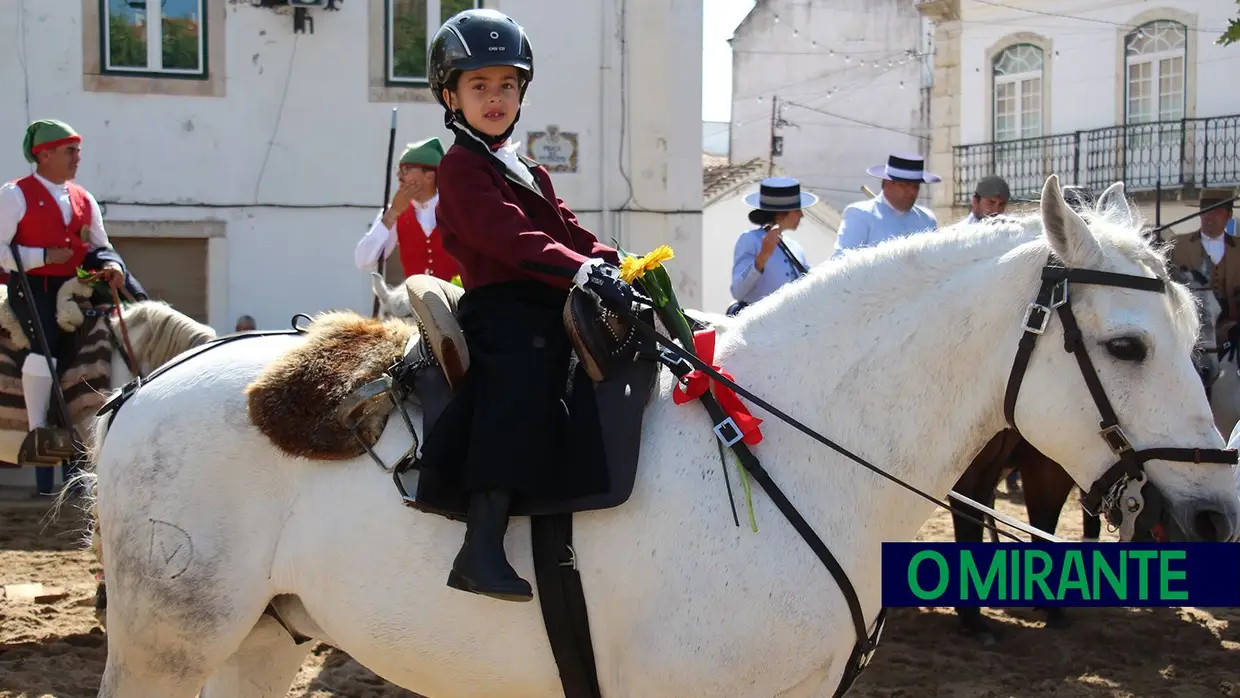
column 636, row 267
column 630, row 269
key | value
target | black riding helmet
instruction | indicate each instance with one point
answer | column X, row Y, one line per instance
column 475, row 39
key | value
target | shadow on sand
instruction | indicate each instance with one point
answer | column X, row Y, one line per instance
column 1107, row 652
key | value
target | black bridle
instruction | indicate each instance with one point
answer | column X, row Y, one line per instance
column 1118, row 493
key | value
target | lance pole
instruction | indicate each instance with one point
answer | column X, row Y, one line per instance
column 387, row 200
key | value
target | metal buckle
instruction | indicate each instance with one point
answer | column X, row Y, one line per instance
column 1120, row 445
column 1059, row 294
column 1131, row 504
column 674, row 361
column 736, row 432
column 1041, row 327
column 572, row 558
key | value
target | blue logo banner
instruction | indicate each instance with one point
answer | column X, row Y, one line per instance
column 999, row 575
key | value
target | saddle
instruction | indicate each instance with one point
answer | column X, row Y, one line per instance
column 603, row 343
column 602, row 340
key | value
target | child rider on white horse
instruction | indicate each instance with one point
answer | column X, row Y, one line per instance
column 521, row 251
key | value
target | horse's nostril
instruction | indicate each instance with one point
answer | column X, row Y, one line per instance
column 1211, row 525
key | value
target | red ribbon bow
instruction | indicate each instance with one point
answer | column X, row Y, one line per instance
column 695, row 383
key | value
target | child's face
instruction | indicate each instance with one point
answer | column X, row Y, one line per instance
column 489, row 98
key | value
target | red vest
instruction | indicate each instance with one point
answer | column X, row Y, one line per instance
column 420, row 253
column 43, row 225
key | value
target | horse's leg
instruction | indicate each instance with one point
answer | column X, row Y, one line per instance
column 186, row 585
column 1047, row 486
column 263, row 667
column 978, row 483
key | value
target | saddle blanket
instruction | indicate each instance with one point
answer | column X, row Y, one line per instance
column 85, row 381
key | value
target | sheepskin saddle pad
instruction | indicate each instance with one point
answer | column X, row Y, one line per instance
column 298, row 400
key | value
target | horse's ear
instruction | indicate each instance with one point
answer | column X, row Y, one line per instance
column 1113, row 203
column 1070, row 238
column 379, row 286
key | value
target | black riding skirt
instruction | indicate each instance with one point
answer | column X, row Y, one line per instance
column 518, row 422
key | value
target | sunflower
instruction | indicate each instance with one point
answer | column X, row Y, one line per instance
column 632, row 268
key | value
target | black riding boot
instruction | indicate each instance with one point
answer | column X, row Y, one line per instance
column 482, row 567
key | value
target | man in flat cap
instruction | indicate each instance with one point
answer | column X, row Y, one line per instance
column 1211, row 251
column 990, row 198
column 410, row 221
column 57, row 228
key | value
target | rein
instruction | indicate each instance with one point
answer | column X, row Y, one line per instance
column 132, row 361
column 1123, row 481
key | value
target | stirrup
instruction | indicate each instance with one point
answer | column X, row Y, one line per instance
column 46, row 446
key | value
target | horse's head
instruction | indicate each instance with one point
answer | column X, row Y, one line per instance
column 1137, row 336
column 393, row 302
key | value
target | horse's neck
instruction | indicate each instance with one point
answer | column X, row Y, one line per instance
column 903, row 364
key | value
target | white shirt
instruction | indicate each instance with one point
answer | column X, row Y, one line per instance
column 13, row 207
column 1214, row 246
column 381, row 240
column 507, row 153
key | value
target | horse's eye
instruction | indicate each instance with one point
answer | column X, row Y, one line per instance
column 1127, row 348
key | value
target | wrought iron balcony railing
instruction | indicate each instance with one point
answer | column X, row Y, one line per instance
column 1192, row 153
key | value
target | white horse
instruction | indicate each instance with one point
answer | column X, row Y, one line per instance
column 204, row 521
column 157, row 332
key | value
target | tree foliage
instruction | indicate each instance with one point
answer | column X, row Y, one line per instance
column 1232, row 35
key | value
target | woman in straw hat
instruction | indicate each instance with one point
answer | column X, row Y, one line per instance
column 764, row 258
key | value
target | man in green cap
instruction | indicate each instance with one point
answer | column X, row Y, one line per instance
column 410, row 220
column 56, row 227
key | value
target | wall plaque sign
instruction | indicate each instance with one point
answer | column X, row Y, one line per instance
column 554, row 149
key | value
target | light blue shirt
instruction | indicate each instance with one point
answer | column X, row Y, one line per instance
column 870, row 222
column 750, row 285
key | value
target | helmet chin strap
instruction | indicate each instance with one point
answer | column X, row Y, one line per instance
column 455, row 120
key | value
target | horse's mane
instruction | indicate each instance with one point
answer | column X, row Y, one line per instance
column 928, row 255
column 166, row 332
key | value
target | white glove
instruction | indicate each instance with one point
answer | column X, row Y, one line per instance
column 582, row 277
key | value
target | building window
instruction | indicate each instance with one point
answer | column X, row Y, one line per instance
column 164, row 37
column 1156, row 57
column 410, row 26
column 1018, row 93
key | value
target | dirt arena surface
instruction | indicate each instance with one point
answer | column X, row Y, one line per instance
column 51, row 646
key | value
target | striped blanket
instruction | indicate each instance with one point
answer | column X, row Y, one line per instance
column 85, row 381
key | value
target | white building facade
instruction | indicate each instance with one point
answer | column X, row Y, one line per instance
column 845, row 83
column 1094, row 92
column 239, row 160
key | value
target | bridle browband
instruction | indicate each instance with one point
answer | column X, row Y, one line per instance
column 1125, row 479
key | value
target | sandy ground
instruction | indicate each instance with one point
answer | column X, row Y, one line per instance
column 54, row 647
